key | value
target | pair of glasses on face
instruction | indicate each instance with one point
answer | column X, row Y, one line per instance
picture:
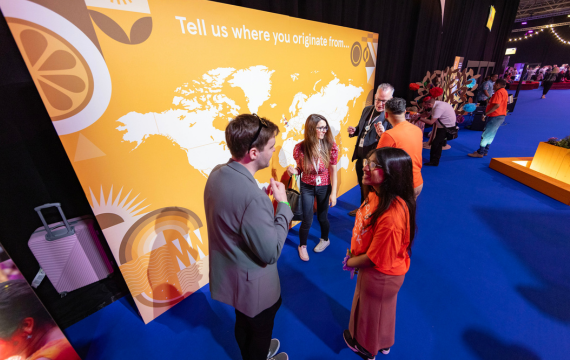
column 323, row 128
column 378, row 101
column 262, row 124
column 371, row 164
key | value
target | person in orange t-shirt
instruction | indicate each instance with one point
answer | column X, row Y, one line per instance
column 405, row 136
column 494, row 115
column 380, row 249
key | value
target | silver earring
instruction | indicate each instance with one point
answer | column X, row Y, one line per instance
column 29, row 336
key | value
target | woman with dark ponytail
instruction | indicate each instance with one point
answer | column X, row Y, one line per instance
column 381, row 246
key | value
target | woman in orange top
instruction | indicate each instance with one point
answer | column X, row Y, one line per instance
column 26, row 329
column 380, row 249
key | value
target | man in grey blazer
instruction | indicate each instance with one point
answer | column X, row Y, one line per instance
column 246, row 236
column 369, row 131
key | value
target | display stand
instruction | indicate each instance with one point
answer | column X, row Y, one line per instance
column 548, row 171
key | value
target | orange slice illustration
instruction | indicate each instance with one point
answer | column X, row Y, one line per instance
column 60, row 73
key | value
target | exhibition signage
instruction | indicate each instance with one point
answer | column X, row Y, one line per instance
column 140, row 93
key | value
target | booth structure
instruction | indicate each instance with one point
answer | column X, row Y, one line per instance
column 548, row 171
column 526, row 85
column 483, row 68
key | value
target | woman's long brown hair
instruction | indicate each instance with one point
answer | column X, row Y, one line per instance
column 311, row 143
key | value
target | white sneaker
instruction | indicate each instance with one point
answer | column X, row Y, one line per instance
column 385, row 351
column 280, row 356
column 322, row 245
column 303, row 253
column 273, row 348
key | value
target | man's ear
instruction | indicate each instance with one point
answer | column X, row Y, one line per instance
column 253, row 153
column 27, row 326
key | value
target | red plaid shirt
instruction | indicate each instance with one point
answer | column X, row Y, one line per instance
column 309, row 176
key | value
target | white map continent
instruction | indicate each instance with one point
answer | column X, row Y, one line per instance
column 331, row 102
column 255, row 83
column 202, row 103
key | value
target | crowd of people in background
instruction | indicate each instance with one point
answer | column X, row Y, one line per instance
column 547, row 75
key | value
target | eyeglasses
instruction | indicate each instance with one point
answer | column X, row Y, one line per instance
column 380, row 101
column 262, row 124
column 371, row 164
column 323, row 128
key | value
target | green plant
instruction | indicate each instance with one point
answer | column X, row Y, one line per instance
column 564, row 143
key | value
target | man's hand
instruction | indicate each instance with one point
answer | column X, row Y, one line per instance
column 332, row 200
column 379, row 128
column 483, row 117
column 351, row 130
column 278, row 189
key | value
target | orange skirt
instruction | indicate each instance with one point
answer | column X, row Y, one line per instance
column 373, row 315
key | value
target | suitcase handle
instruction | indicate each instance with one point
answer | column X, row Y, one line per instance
column 57, row 234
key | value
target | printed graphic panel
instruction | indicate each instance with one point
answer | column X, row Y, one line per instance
column 27, row 331
column 140, row 93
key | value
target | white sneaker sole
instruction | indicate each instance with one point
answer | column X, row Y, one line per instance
column 318, row 249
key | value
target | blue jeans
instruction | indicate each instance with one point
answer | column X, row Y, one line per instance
column 489, row 133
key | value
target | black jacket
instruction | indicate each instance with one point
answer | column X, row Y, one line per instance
column 371, row 139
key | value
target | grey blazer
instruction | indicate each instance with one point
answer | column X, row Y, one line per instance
column 371, row 140
column 245, row 239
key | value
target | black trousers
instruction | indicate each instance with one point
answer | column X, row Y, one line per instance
column 359, row 174
column 436, row 146
column 253, row 335
column 546, row 86
column 308, row 195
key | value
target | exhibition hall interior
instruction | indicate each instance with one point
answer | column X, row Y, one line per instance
column 284, row 179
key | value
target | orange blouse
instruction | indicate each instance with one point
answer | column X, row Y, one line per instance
column 385, row 243
column 56, row 350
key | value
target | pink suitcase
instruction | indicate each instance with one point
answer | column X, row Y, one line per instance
column 69, row 252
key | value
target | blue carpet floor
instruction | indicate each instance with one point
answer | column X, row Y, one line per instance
column 489, row 276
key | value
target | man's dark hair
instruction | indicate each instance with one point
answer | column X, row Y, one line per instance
column 18, row 302
column 501, row 82
column 396, row 106
column 241, row 131
column 497, row 75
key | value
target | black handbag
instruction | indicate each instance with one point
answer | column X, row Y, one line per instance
column 451, row 132
column 294, row 200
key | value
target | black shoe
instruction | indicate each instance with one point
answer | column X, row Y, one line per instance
column 354, row 346
column 430, row 164
column 353, row 212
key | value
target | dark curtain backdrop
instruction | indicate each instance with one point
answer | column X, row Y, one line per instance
column 412, row 39
column 35, row 169
column 545, row 48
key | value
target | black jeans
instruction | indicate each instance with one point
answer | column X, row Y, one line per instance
column 359, row 174
column 308, row 195
column 546, row 86
column 436, row 146
column 253, row 335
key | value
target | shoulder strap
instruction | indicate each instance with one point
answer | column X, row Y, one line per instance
column 445, row 127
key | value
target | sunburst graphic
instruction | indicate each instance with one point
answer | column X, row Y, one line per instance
column 113, row 211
